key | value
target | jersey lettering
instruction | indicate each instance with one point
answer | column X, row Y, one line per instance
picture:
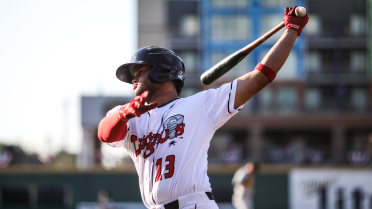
column 158, row 170
column 149, row 146
column 148, row 142
column 179, row 129
column 169, row 167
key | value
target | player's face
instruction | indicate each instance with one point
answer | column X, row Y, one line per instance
column 141, row 80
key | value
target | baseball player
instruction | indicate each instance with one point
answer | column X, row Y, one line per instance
column 243, row 182
column 168, row 137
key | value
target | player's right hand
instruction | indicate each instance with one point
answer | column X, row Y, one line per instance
column 292, row 21
column 136, row 107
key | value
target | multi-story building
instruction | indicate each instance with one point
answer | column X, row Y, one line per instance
column 317, row 111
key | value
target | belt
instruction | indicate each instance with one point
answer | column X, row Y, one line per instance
column 175, row 205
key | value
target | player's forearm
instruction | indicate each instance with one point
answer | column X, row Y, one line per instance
column 279, row 53
column 249, row 85
column 111, row 128
column 253, row 82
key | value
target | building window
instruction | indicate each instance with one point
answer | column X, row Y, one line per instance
column 266, row 99
column 289, row 69
column 191, row 61
column 357, row 25
column 312, row 99
column 358, row 61
column 359, row 98
column 314, row 61
column 267, row 23
column 314, row 25
column 230, row 3
column 230, row 28
column 189, row 26
column 287, row 99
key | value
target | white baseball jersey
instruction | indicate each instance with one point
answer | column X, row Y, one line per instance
column 169, row 144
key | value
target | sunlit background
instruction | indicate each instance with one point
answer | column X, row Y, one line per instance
column 51, row 53
column 311, row 129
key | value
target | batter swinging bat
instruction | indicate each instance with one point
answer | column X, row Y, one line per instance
column 222, row 67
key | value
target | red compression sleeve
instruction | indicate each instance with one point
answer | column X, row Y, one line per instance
column 111, row 128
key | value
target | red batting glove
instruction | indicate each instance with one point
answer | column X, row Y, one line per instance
column 136, row 107
column 292, row 21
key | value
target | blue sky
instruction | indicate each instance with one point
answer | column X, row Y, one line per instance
column 51, row 52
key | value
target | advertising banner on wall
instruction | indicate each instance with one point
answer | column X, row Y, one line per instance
column 330, row 189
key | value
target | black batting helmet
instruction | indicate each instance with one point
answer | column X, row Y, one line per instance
column 166, row 66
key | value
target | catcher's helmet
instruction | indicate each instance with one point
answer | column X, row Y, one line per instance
column 166, row 66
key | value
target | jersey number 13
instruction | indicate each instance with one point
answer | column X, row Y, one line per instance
column 168, row 170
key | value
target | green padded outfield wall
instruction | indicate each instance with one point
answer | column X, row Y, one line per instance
column 271, row 189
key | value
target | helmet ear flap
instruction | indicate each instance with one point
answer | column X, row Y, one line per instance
column 178, row 84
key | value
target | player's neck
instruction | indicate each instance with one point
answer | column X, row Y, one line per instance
column 163, row 96
column 164, row 99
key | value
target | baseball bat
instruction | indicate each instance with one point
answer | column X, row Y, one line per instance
column 225, row 65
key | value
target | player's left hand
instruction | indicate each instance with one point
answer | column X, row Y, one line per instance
column 136, row 107
column 292, row 21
